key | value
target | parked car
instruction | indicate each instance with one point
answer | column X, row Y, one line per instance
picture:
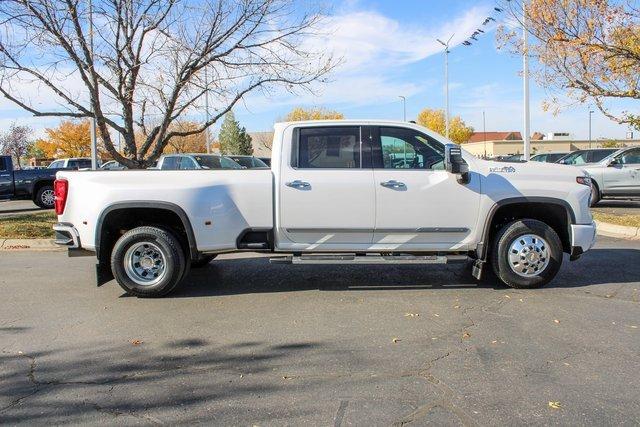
column 71, row 163
column 248, row 162
column 333, row 196
column 616, row 176
column 547, row 157
column 112, row 165
column 195, row 161
column 581, row 157
column 34, row 184
column 518, row 158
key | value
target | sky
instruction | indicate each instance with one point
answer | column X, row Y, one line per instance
column 388, row 49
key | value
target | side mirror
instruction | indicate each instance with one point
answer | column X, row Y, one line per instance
column 455, row 164
column 613, row 162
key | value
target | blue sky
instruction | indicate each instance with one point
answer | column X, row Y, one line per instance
column 388, row 48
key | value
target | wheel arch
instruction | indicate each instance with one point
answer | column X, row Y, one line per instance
column 149, row 207
column 38, row 184
column 557, row 213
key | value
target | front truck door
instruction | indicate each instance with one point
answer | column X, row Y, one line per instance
column 326, row 192
column 623, row 177
column 6, row 178
column 419, row 205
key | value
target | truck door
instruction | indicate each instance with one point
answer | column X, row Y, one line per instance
column 419, row 205
column 6, row 177
column 622, row 177
column 326, row 192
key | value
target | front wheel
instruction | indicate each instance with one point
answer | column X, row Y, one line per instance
column 148, row 262
column 45, row 197
column 526, row 254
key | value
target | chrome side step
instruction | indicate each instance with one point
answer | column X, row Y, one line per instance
column 368, row 259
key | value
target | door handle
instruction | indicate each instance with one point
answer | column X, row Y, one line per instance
column 298, row 184
column 393, row 184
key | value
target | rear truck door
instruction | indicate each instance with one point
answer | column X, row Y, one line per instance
column 623, row 176
column 327, row 197
column 419, row 205
column 6, row 177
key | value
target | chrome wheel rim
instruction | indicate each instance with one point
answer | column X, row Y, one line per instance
column 144, row 263
column 47, row 197
column 528, row 255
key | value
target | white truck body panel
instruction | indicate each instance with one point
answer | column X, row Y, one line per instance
column 341, row 209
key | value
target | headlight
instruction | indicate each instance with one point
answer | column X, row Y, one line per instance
column 584, row 180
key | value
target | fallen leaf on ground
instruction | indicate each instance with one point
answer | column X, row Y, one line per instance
column 494, row 342
column 521, row 300
column 395, row 340
column 608, row 296
column 436, row 314
column 556, row 321
column 411, row 314
column 287, row 378
column 456, row 306
column 136, row 342
column 554, row 405
column 633, row 326
column 466, row 335
column 507, row 296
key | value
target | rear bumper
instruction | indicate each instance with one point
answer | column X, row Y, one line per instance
column 66, row 235
column 583, row 238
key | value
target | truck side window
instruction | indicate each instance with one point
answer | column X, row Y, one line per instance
column 186, row 163
column 328, row 148
column 3, row 165
column 403, row 148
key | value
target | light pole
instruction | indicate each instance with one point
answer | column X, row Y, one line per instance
column 404, row 108
column 206, row 109
column 446, row 83
column 590, row 113
column 94, row 143
column 484, row 133
column 525, row 78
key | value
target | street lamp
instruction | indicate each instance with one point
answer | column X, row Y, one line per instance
column 525, row 78
column 446, row 82
column 590, row 113
column 94, row 143
column 404, row 108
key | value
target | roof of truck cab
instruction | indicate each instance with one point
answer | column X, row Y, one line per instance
column 348, row 122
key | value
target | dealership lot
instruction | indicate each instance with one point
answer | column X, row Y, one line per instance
column 247, row 342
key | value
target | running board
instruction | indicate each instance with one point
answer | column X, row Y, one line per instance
column 368, row 259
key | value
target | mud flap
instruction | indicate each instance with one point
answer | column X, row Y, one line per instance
column 476, row 270
column 103, row 273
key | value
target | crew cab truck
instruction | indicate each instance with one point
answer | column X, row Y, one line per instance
column 34, row 184
column 358, row 192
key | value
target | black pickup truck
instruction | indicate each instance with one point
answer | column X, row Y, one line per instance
column 34, row 184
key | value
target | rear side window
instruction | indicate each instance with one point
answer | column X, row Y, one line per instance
column 327, row 148
column 84, row 164
column 596, row 156
column 631, row 157
column 3, row 164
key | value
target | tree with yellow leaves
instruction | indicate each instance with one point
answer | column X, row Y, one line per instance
column 299, row 114
column 434, row 119
column 587, row 49
column 192, row 143
column 70, row 139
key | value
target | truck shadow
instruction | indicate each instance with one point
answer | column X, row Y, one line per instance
column 257, row 275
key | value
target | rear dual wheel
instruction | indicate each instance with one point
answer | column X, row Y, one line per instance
column 526, row 254
column 148, row 262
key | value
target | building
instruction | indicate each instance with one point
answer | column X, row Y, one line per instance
column 505, row 147
column 494, row 136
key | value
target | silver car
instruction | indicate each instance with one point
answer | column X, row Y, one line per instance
column 618, row 175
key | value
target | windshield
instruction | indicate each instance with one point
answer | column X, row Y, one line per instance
column 216, row 162
column 575, row 158
column 249, row 162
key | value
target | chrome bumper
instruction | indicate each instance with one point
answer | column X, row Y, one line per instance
column 66, row 235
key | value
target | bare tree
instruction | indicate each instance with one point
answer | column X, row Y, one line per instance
column 16, row 142
column 153, row 61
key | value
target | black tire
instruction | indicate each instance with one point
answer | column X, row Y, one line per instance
column 595, row 195
column 203, row 260
column 162, row 243
column 44, row 197
column 507, row 236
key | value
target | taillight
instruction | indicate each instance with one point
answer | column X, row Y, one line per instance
column 60, row 190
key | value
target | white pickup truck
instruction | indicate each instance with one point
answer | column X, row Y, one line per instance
column 363, row 192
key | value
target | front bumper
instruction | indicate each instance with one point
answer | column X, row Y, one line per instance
column 66, row 235
column 583, row 237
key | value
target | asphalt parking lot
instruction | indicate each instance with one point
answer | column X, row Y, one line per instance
column 17, row 207
column 250, row 343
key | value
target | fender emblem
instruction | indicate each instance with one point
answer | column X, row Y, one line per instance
column 503, row 169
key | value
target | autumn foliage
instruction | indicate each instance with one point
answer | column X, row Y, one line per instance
column 432, row 119
column 586, row 49
column 299, row 114
column 70, row 139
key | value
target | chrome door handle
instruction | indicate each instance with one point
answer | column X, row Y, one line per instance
column 297, row 184
column 393, row 184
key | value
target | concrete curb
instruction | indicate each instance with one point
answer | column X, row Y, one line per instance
column 29, row 245
column 619, row 231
